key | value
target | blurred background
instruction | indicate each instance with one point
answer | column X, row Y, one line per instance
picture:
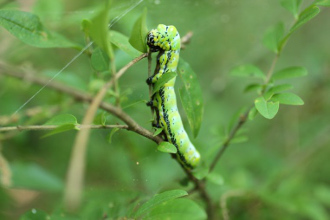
column 279, row 172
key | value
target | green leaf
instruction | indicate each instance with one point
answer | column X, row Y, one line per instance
column 60, row 129
column 167, row 147
column 234, row 118
column 266, row 109
column 99, row 29
column 158, row 131
column 200, row 172
column 292, row 6
column 252, row 113
column 32, row 176
column 65, row 122
column 162, row 80
column 253, row 87
column 247, row 70
column 273, row 36
column 113, row 131
column 215, row 178
column 305, row 16
column 28, row 28
column 290, row 72
column 100, row 60
column 323, row 2
column 280, row 88
column 191, row 96
column 100, row 118
column 121, row 41
column 239, row 139
column 178, row 209
column 139, row 33
column 268, row 95
column 62, row 119
column 159, row 199
column 35, row 214
column 287, row 99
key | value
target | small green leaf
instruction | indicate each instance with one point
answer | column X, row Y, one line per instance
column 215, row 178
column 35, row 214
column 158, row 131
column 305, row 16
column 273, row 37
column 28, row 28
column 62, row 120
column 290, row 72
column 98, row 29
column 139, row 33
column 253, row 87
column 247, row 70
column 191, row 96
column 100, row 60
column 121, row 41
column 113, row 131
column 159, row 199
column 280, row 88
column 234, row 118
column 239, row 139
column 266, row 109
column 252, row 113
column 268, row 95
column 167, row 147
column 162, row 80
column 178, row 209
column 323, row 2
column 32, row 176
column 100, row 119
column 60, row 129
column 292, row 6
column 200, row 172
column 287, row 99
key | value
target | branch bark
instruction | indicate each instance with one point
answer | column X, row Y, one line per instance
column 51, row 127
column 80, row 95
column 76, row 170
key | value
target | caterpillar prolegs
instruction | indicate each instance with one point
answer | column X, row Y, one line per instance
column 166, row 41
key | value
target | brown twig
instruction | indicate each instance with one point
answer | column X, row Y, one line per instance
column 243, row 118
column 80, row 95
column 52, row 127
column 232, row 134
column 75, row 174
column 5, row 177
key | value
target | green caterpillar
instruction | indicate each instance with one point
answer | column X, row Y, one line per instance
column 166, row 40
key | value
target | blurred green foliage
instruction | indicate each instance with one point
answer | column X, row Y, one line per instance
column 279, row 171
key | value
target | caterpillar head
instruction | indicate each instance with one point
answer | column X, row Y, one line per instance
column 163, row 38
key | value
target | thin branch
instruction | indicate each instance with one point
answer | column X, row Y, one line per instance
column 186, row 39
column 5, row 177
column 200, row 187
column 232, row 134
column 242, row 119
column 271, row 69
column 51, row 127
column 75, row 174
column 80, row 95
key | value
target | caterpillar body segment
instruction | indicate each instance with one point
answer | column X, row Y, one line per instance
column 166, row 41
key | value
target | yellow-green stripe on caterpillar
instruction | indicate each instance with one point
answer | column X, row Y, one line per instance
column 166, row 41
